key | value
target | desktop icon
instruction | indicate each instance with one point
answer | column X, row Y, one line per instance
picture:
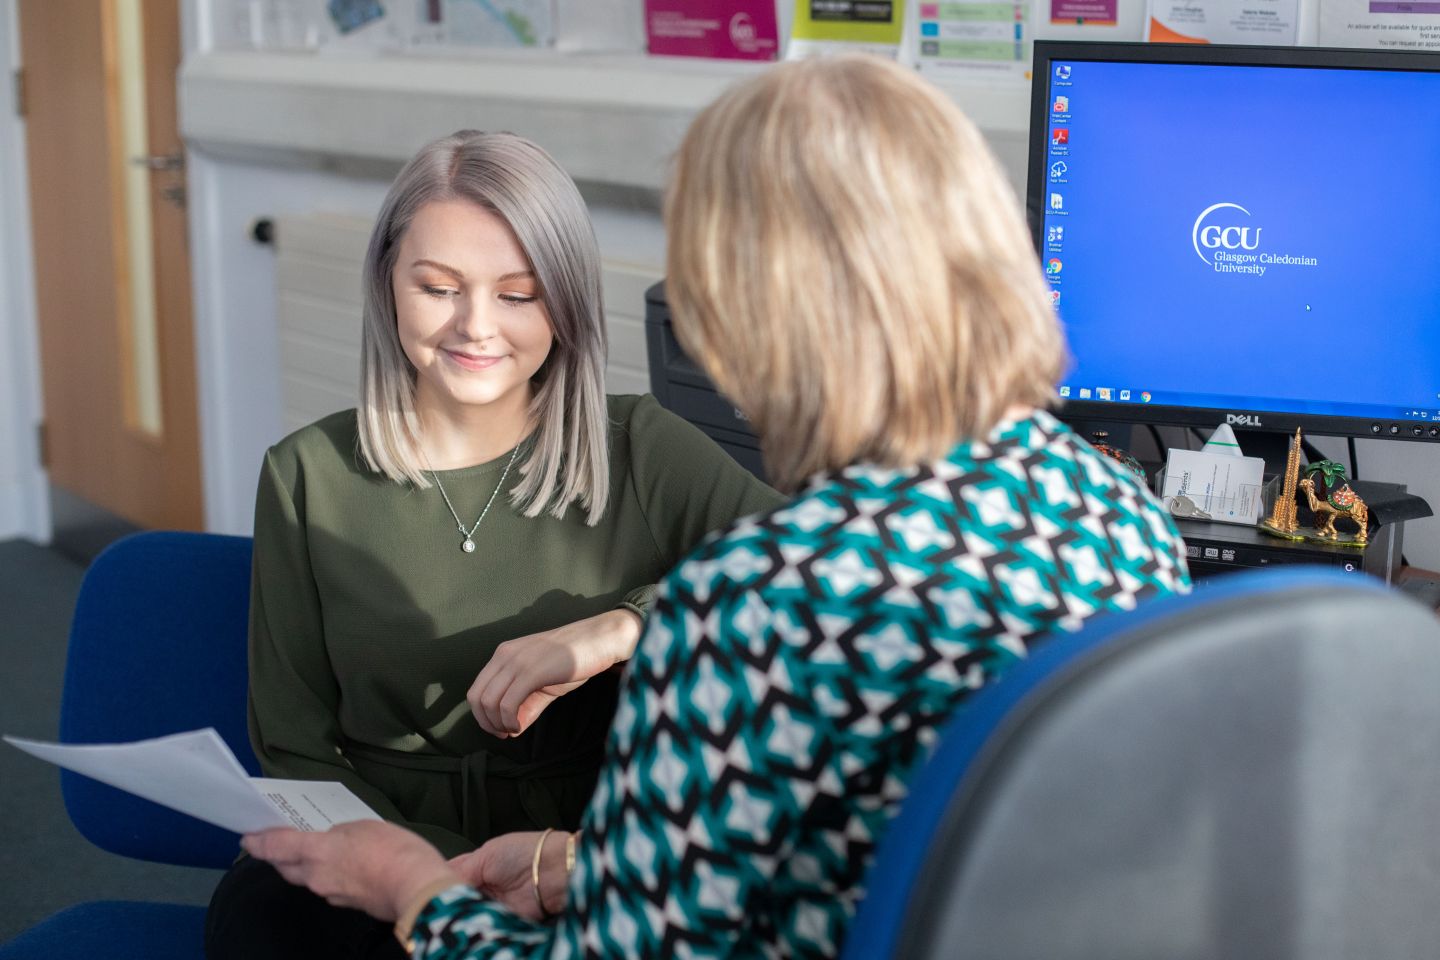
column 1064, row 391
column 1055, row 234
column 1053, row 266
column 1145, row 395
column 1058, row 169
column 1124, row 394
column 1062, row 105
column 1062, row 71
column 1084, row 393
column 1060, row 136
column 1104, row 393
column 1054, row 298
column 1057, row 202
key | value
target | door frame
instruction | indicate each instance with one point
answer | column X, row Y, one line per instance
column 24, row 490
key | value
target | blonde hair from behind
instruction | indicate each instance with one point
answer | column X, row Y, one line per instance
column 569, row 461
column 850, row 266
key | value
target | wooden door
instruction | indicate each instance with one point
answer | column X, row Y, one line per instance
column 112, row 268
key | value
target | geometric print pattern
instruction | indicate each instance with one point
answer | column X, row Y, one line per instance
column 794, row 674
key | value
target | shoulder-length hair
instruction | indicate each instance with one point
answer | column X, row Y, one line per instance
column 848, row 263
column 570, row 460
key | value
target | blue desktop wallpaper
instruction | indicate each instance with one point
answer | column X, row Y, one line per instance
column 1311, row 285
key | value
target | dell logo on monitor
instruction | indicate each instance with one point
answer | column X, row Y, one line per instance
column 1243, row 419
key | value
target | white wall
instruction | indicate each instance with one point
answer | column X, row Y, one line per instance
column 236, row 343
column 24, row 501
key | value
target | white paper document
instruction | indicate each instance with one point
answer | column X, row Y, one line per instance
column 197, row 774
column 1381, row 24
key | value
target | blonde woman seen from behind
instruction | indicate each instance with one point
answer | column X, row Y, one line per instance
column 848, row 264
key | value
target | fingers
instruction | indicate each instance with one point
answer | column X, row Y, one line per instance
column 482, row 700
column 554, row 661
column 534, row 705
column 489, row 688
column 281, row 845
column 293, row 854
column 510, row 701
column 469, row 866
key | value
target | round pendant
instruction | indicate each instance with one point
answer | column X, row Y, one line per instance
column 468, row 546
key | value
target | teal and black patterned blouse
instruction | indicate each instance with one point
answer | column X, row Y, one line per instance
column 794, row 674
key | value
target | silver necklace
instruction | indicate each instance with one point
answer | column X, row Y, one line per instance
column 468, row 544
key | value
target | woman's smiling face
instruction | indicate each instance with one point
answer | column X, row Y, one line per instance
column 468, row 309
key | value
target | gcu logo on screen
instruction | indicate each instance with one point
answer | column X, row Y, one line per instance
column 1243, row 420
column 1222, row 235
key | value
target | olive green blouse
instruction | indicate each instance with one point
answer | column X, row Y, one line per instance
column 368, row 623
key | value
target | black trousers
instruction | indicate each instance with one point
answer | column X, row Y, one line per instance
column 255, row 914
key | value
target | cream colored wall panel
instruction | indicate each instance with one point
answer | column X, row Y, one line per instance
column 318, row 276
column 309, row 400
column 625, row 285
column 334, row 363
column 325, row 279
column 627, row 343
column 625, row 380
column 325, row 236
column 317, row 318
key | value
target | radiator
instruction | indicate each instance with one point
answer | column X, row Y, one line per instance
column 318, row 310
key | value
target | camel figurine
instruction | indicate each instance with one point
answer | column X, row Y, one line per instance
column 1340, row 503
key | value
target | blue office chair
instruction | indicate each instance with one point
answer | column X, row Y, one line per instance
column 1250, row 771
column 157, row 647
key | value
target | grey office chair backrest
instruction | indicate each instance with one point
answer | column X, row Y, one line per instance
column 1254, row 775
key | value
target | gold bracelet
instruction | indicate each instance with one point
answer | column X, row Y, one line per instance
column 535, row 871
column 570, row 853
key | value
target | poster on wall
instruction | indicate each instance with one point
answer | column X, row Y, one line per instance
column 721, row 29
column 1381, row 24
column 1108, row 20
column 267, row 25
column 1274, row 22
column 346, row 26
column 594, row 25
column 487, row 24
column 969, row 37
column 1095, row 13
column 828, row 26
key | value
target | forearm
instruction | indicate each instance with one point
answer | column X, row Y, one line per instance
column 628, row 624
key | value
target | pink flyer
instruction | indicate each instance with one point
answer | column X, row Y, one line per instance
column 1097, row 13
column 724, row 29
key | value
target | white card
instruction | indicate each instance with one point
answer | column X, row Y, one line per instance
column 1210, row 486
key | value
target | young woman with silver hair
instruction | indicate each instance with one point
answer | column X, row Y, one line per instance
column 445, row 577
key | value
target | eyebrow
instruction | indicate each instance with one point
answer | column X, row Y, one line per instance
column 439, row 266
column 503, row 278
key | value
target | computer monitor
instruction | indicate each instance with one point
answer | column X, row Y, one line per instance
column 1242, row 234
